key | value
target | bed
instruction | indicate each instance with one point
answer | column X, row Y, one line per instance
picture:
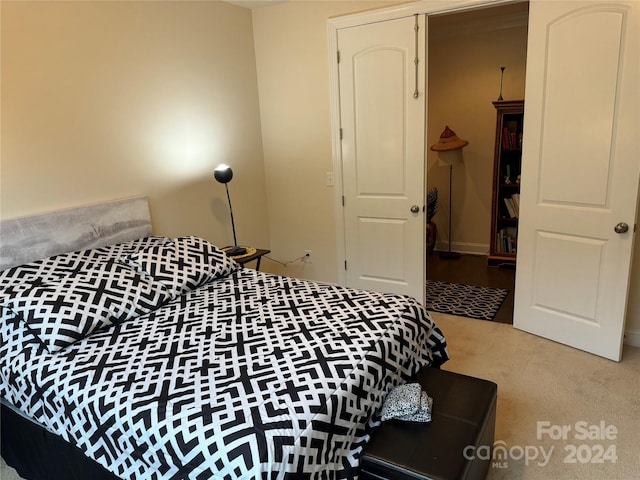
column 137, row 356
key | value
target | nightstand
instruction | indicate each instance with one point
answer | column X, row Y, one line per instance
column 246, row 258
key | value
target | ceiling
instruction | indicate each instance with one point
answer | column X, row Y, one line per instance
column 479, row 19
column 254, row 3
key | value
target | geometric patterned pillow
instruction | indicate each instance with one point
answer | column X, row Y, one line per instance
column 63, row 311
column 183, row 264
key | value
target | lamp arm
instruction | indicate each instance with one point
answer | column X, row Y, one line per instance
column 233, row 225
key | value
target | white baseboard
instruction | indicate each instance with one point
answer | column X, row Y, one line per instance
column 463, row 247
column 632, row 338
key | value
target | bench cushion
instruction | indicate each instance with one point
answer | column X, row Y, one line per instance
column 463, row 417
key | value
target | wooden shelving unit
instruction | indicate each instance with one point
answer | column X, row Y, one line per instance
column 507, row 166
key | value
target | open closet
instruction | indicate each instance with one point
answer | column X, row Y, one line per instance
column 466, row 51
column 579, row 158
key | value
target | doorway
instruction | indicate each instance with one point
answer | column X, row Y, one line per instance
column 552, row 103
column 466, row 51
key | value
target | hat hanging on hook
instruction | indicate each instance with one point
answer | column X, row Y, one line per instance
column 448, row 141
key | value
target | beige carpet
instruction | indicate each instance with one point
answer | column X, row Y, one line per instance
column 541, row 381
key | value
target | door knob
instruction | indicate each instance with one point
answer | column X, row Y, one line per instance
column 621, row 228
column 415, row 209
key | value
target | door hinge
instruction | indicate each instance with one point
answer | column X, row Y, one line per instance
column 343, row 200
column 340, row 133
column 345, row 264
column 416, row 92
column 338, row 56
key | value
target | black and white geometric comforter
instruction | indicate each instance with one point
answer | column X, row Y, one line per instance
column 161, row 358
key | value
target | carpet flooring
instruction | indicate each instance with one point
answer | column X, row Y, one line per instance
column 544, row 389
column 470, row 301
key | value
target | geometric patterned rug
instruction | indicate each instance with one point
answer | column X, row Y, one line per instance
column 464, row 300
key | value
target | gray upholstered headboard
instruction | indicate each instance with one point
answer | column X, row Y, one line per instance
column 31, row 238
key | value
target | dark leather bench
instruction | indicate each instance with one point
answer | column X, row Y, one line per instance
column 463, row 418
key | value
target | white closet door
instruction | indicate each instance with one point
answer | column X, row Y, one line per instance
column 383, row 141
column 580, row 173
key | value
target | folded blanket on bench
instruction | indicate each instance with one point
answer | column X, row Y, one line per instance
column 409, row 403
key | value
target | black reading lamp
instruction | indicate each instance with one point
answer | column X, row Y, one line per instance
column 224, row 174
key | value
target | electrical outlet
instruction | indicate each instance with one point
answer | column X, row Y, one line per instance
column 307, row 256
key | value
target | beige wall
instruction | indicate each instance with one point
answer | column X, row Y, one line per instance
column 102, row 100
column 113, row 99
column 633, row 310
column 466, row 52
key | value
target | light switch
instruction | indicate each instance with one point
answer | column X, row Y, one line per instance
column 329, row 177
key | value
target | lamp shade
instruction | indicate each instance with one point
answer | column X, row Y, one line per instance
column 223, row 173
column 450, row 157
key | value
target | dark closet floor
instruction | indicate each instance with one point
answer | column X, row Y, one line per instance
column 473, row 270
